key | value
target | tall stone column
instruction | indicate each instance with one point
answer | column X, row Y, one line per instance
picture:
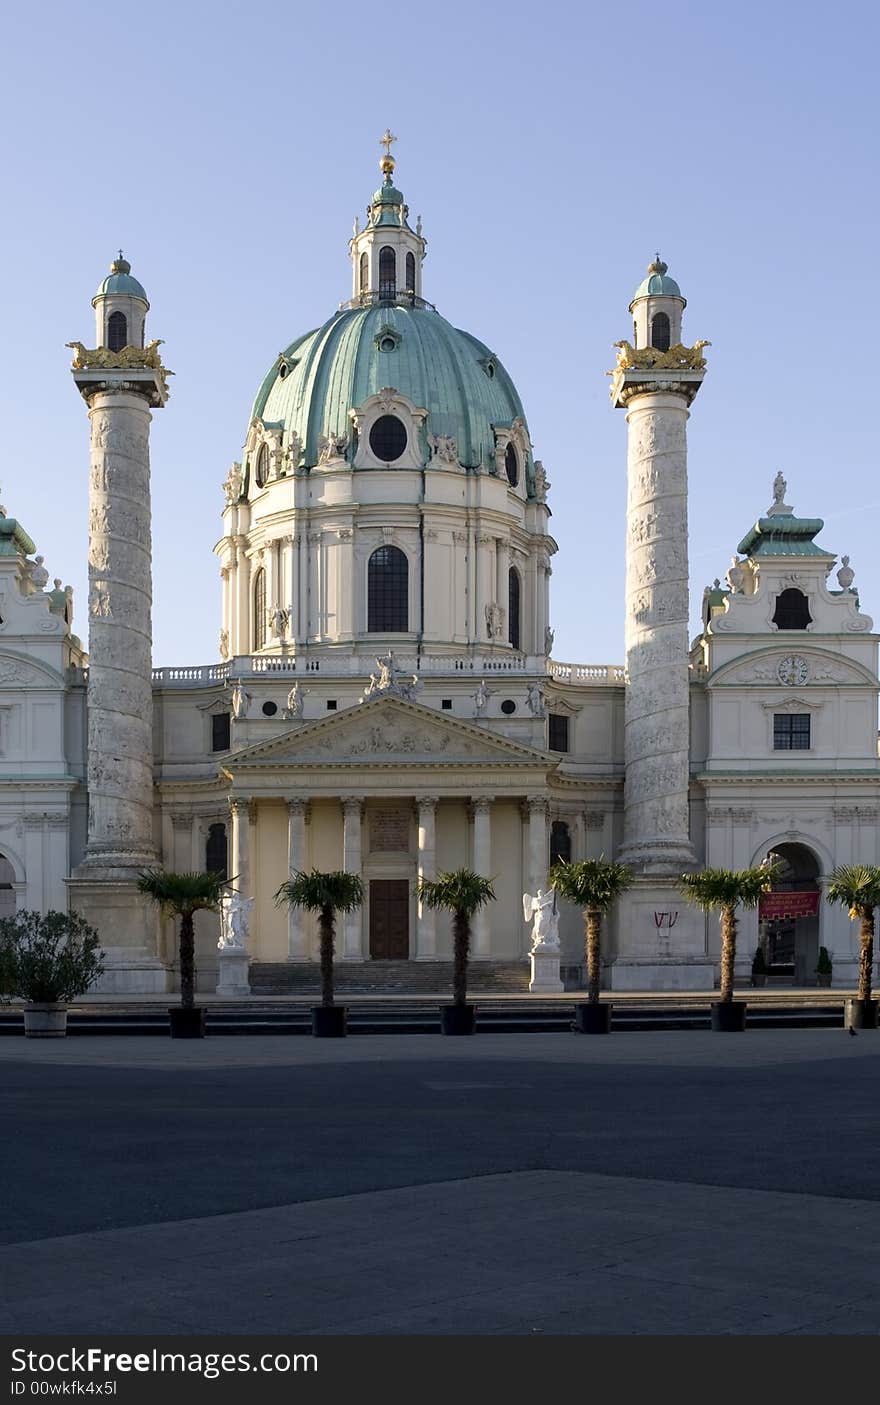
column 352, row 827
column 655, row 381
column 120, row 387
column 539, row 842
column 240, row 857
column 297, row 920
column 482, row 862
column 426, row 917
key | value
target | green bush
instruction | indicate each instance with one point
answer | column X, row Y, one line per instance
column 823, row 965
column 48, row 958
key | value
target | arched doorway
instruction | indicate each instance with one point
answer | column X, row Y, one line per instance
column 788, row 928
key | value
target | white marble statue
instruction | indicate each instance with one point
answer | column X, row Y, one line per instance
column 38, row 574
column 240, row 701
column 390, row 680
column 235, row 917
column 295, row 700
column 535, row 699
column 481, row 698
column 541, row 910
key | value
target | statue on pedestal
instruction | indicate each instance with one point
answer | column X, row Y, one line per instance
column 235, row 915
column 541, row 911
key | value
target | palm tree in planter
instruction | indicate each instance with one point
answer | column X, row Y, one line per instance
column 461, row 892
column 48, row 959
column 593, row 885
column 857, row 887
column 327, row 894
column 183, row 895
column 724, row 890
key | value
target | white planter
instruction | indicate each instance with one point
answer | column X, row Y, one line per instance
column 45, row 1021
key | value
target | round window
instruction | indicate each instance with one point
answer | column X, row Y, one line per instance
column 508, row 706
column 269, row 709
column 388, row 344
column 388, row 438
column 511, row 463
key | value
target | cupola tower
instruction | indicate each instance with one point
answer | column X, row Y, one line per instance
column 386, row 255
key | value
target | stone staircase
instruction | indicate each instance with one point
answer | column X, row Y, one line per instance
column 387, row 977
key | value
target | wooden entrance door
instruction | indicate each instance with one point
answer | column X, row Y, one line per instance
column 389, row 919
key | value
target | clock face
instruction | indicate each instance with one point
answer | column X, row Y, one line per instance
column 793, row 671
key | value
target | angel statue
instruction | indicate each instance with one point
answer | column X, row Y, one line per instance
column 235, row 916
column 541, row 911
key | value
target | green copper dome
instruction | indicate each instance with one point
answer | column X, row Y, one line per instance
column 323, row 375
column 120, row 281
column 657, row 283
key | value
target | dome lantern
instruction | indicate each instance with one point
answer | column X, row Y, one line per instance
column 121, row 307
column 387, row 254
column 657, row 305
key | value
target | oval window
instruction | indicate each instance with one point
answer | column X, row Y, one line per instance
column 508, row 707
column 388, row 438
column 388, row 344
column 511, row 463
column 263, row 466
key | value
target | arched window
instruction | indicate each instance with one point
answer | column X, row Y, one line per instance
column 365, row 272
column 260, row 610
column 560, row 842
column 7, row 888
column 387, row 272
column 511, row 464
column 792, row 610
column 263, row 466
column 388, row 591
column 635, row 334
column 216, row 850
column 660, row 331
column 117, row 331
column 513, row 593
column 410, row 273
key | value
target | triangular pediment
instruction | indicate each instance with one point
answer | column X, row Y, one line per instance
column 388, row 732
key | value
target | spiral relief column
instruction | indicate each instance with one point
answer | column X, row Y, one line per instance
column 121, row 381
column 655, row 381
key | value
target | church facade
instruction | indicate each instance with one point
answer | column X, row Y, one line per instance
column 386, row 699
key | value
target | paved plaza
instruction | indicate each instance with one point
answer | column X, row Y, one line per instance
column 678, row 1182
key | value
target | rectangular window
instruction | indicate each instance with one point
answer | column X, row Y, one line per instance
column 791, row 731
column 331, row 704
column 557, row 729
column 220, row 731
column 446, row 704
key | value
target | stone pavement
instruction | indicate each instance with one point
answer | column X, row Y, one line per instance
column 547, row 1245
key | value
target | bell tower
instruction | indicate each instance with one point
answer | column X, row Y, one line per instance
column 122, row 382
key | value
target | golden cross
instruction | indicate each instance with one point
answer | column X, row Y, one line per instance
column 386, row 141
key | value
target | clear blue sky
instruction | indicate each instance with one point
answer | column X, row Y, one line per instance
column 550, row 149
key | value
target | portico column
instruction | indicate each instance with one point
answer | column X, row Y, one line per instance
column 426, row 920
column 240, row 875
column 352, row 810
column 297, row 920
column 539, row 849
column 482, row 861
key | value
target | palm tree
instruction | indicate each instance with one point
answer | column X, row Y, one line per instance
column 326, row 894
column 726, row 889
column 462, row 892
column 857, row 886
column 593, row 885
column 183, row 895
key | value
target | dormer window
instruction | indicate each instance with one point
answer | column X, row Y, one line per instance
column 387, row 272
column 262, row 472
column 511, row 465
column 792, row 610
column 117, row 331
column 660, row 331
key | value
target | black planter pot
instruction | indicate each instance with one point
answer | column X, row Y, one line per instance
column 592, row 1019
column 729, row 1015
column 328, row 1021
column 860, row 1014
column 187, row 1024
column 458, row 1019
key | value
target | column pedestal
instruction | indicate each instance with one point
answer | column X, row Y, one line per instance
column 659, row 940
column 234, row 966
column 545, row 973
column 116, row 907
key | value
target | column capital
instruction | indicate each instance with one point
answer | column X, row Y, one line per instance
column 352, row 804
column 181, row 821
column 240, row 805
column 593, row 819
column 298, row 805
column 537, row 805
column 481, row 804
column 427, row 802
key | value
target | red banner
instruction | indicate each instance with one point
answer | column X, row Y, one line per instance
column 774, row 906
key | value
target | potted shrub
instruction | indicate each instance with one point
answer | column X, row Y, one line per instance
column 462, row 892
column 824, row 967
column 726, row 889
column 326, row 894
column 857, row 887
column 183, row 895
column 47, row 960
column 593, row 884
column 759, row 967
